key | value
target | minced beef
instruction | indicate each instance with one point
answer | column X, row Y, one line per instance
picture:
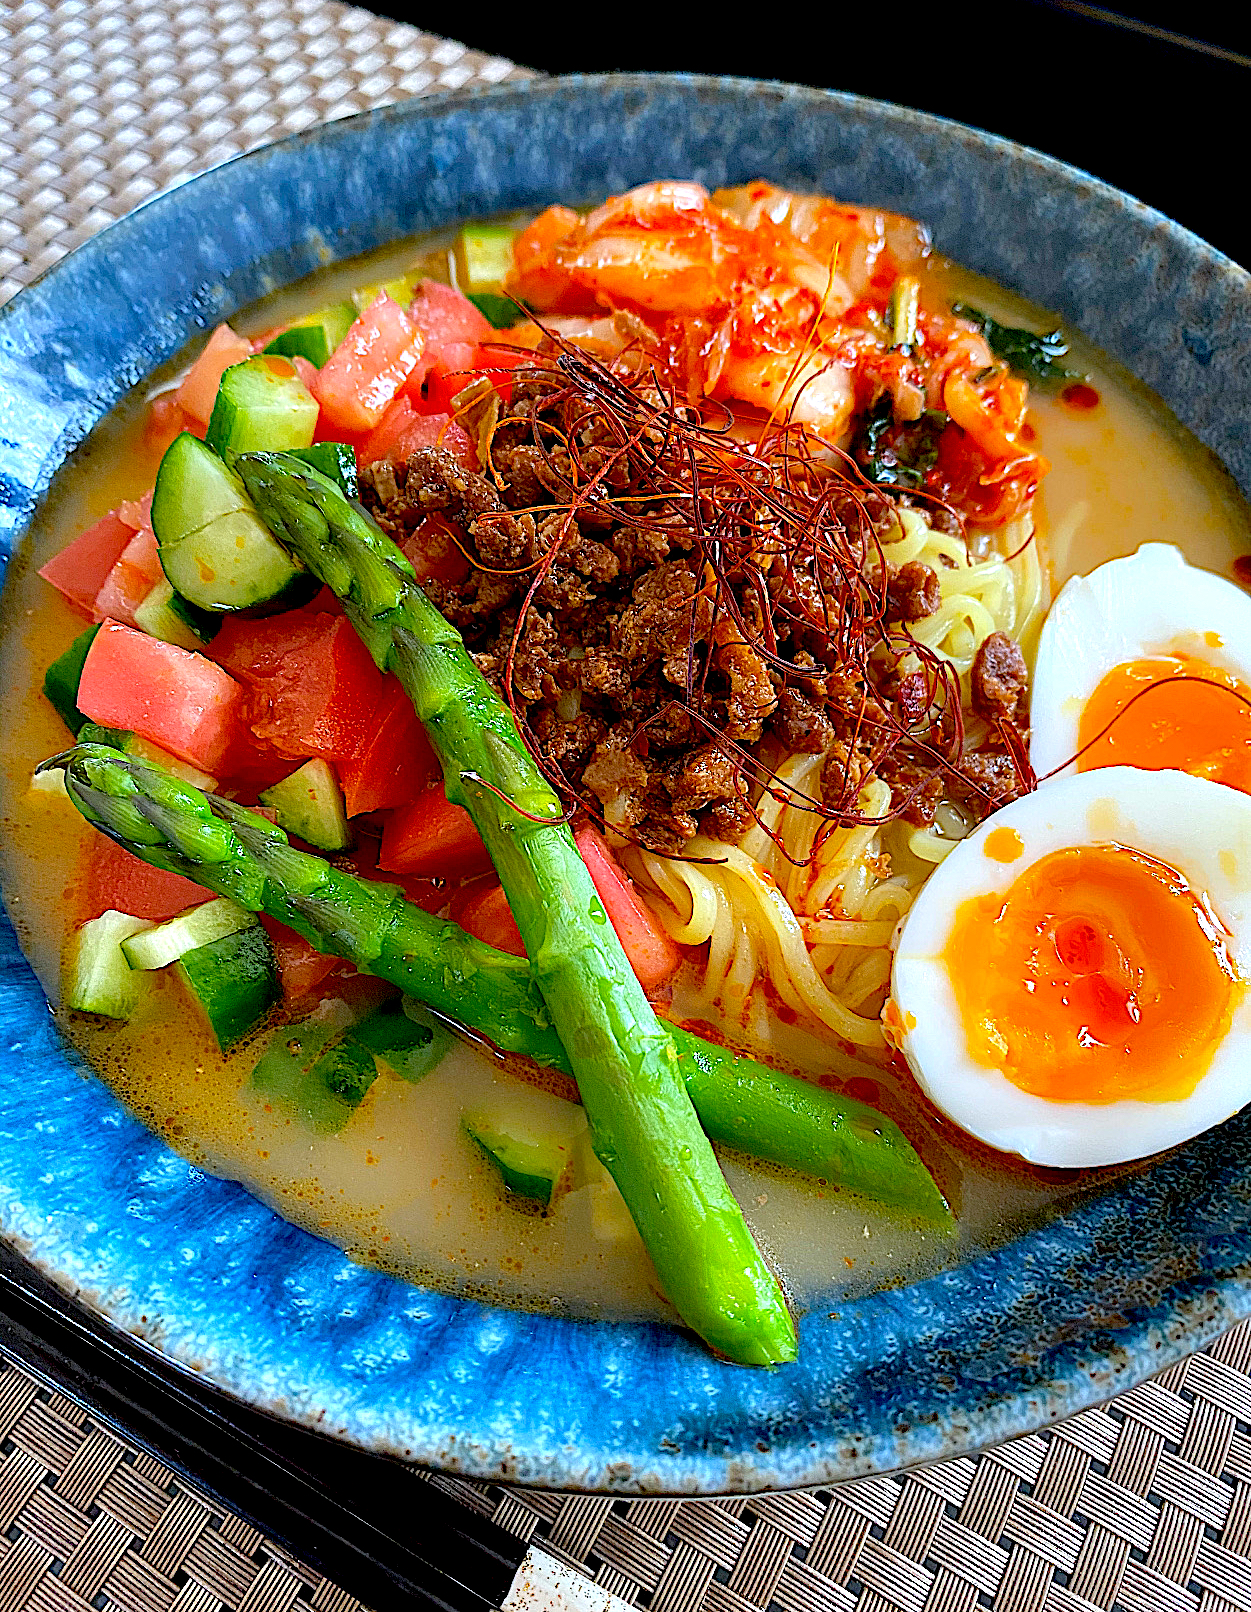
column 643, row 673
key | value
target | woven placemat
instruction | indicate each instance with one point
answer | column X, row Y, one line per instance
column 1144, row 1506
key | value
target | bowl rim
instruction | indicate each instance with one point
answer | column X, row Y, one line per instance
column 1201, row 1303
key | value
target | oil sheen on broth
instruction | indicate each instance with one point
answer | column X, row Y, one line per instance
column 401, row 1187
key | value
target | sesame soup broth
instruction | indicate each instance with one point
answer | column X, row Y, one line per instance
column 401, row 1187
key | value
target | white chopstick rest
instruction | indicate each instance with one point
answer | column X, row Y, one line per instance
column 543, row 1584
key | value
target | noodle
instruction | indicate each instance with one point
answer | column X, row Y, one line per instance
column 812, row 910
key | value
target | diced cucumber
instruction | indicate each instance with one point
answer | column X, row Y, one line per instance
column 158, row 619
column 287, row 1077
column 156, row 948
column 144, row 750
column 262, row 406
column 316, row 337
column 61, row 680
column 309, row 803
column 484, row 257
column 323, row 1067
column 215, row 549
column 234, row 981
column 98, row 979
column 500, row 310
column 203, row 623
column 334, row 459
column 405, row 1037
column 533, row 1144
column 399, row 290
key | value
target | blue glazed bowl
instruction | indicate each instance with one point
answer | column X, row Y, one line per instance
column 1065, row 1316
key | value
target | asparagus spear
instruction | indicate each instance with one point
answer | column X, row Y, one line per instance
column 239, row 853
column 643, row 1127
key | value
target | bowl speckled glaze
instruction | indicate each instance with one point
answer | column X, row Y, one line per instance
column 1061, row 1318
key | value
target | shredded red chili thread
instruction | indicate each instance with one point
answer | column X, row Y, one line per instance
column 791, row 540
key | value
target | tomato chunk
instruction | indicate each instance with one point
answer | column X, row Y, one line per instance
column 434, row 553
column 166, row 418
column 300, row 966
column 394, row 763
column 433, row 838
column 402, row 430
column 116, row 879
column 198, row 392
column 128, row 584
column 312, row 686
column 446, row 318
column 369, row 366
column 653, row 956
column 482, row 910
column 178, row 699
column 80, row 569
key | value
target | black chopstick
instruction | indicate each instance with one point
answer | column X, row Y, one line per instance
column 366, row 1522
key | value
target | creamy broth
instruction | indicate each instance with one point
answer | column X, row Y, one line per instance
column 401, row 1187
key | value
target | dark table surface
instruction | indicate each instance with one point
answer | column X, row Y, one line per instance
column 1154, row 98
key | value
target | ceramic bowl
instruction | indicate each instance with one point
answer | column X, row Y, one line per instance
column 1062, row 1317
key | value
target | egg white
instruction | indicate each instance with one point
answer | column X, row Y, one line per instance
column 1200, row 828
column 1150, row 603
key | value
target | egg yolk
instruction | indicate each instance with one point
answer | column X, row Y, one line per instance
column 1200, row 727
column 1098, row 975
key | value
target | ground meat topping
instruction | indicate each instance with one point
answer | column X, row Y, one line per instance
column 914, row 592
column 999, row 679
column 657, row 637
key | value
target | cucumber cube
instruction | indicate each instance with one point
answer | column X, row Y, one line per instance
column 234, row 981
column 215, row 549
column 316, row 337
column 309, row 804
column 262, row 407
column 336, row 460
column 500, row 310
column 484, row 256
column 61, row 680
column 98, row 979
column 157, row 617
column 156, row 948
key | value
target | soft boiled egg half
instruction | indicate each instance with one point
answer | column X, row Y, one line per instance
column 1146, row 662
column 1071, row 982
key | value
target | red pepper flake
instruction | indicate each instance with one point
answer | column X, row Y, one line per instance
column 1079, row 396
column 1242, row 571
column 864, row 1090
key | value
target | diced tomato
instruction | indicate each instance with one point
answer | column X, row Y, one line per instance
column 178, row 699
column 166, row 419
column 653, row 956
column 434, row 552
column 449, row 377
column 433, row 838
column 300, row 966
column 428, row 894
column 309, row 374
column 80, row 569
column 482, row 909
column 498, row 360
column 446, row 319
column 137, row 512
column 116, row 879
column 312, row 686
column 402, row 430
column 128, row 584
column 395, row 762
column 369, row 366
column 198, row 392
